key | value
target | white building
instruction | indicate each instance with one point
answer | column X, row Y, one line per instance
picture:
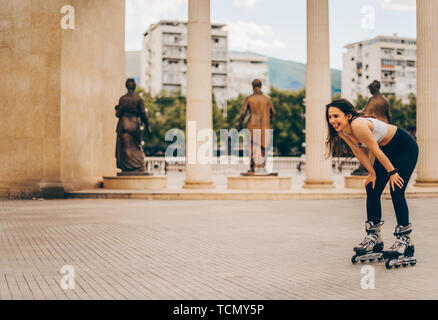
column 391, row 60
column 164, row 59
column 243, row 68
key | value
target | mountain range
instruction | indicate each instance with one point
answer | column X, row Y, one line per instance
column 283, row 74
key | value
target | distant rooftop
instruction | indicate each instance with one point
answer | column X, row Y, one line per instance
column 247, row 55
column 176, row 23
column 388, row 39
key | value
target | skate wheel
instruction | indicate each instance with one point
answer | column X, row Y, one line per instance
column 371, row 260
column 397, row 266
column 387, row 265
column 379, row 259
column 353, row 259
column 404, row 265
column 362, row 261
column 413, row 263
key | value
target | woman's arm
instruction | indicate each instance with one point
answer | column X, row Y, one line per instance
column 358, row 153
column 363, row 133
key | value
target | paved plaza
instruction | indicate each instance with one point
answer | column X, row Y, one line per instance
column 139, row 249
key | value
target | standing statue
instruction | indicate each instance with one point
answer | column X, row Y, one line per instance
column 378, row 107
column 129, row 151
column 261, row 111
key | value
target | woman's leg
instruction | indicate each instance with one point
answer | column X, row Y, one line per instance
column 405, row 163
column 374, row 208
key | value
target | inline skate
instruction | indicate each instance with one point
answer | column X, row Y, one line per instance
column 371, row 248
column 401, row 253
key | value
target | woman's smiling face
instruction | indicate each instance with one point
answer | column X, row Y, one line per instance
column 337, row 119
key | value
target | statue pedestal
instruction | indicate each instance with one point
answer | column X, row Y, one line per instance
column 358, row 182
column 259, row 181
column 133, row 173
column 143, row 182
column 355, row 182
column 259, row 174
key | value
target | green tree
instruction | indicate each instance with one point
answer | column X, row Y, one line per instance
column 404, row 115
column 289, row 122
column 165, row 112
column 234, row 108
column 360, row 103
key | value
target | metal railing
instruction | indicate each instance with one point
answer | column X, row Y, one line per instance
column 232, row 164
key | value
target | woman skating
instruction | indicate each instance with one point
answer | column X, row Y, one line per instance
column 396, row 154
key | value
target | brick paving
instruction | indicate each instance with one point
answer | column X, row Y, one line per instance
column 137, row 249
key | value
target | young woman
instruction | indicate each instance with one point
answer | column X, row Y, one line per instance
column 396, row 154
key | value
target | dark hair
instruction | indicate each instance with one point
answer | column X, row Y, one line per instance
column 374, row 87
column 335, row 145
column 128, row 81
column 256, row 83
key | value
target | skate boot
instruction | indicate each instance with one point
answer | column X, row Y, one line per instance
column 401, row 253
column 370, row 249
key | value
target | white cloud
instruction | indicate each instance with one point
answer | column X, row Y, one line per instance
column 248, row 35
column 141, row 13
column 245, row 3
column 399, row 5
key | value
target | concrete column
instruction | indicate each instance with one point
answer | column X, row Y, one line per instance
column 199, row 95
column 318, row 94
column 427, row 94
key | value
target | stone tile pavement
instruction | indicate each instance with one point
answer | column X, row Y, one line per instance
column 138, row 249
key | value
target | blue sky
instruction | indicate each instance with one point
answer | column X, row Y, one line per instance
column 277, row 28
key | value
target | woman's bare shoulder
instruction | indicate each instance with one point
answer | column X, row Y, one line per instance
column 361, row 124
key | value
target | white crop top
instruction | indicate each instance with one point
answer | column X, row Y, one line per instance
column 380, row 129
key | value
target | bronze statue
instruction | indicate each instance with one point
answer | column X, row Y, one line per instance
column 378, row 107
column 261, row 111
column 131, row 113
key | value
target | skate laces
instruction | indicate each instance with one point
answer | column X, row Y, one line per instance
column 370, row 239
column 400, row 242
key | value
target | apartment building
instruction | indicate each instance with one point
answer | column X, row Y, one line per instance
column 243, row 68
column 164, row 59
column 389, row 59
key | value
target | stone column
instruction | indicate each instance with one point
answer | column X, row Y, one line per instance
column 427, row 94
column 199, row 95
column 318, row 94
column 59, row 87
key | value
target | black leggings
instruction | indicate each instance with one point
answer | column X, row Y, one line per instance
column 402, row 151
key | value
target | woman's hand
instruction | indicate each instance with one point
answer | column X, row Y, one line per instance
column 371, row 179
column 396, row 180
